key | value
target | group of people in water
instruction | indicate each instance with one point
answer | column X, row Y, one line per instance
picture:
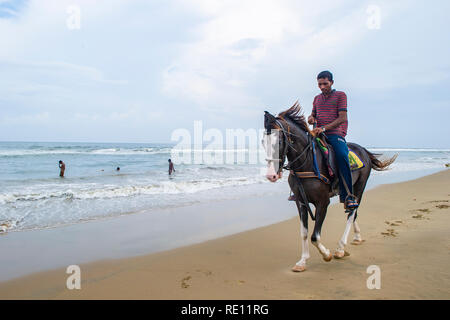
column 62, row 168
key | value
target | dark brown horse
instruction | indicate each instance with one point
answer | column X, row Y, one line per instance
column 296, row 143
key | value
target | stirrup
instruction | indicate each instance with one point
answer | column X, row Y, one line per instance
column 351, row 203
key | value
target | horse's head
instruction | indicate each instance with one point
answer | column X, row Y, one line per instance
column 273, row 144
column 288, row 129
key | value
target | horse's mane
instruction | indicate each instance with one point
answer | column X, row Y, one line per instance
column 295, row 114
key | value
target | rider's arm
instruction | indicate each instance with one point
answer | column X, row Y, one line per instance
column 341, row 119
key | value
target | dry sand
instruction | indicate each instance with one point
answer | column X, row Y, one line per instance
column 405, row 225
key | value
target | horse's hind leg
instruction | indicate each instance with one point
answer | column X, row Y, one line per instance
column 358, row 190
column 357, row 233
column 301, row 264
column 359, row 187
column 340, row 251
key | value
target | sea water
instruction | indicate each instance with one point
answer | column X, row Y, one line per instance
column 33, row 196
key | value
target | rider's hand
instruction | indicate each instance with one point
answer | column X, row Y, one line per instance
column 317, row 131
column 311, row 120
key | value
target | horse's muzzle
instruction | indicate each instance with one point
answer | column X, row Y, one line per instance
column 273, row 177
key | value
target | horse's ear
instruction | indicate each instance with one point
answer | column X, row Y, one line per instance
column 268, row 121
column 269, row 116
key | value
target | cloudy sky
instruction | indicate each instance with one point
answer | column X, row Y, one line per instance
column 135, row 70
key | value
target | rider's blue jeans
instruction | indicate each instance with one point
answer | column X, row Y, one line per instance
column 341, row 150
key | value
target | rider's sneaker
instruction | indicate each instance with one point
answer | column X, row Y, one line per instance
column 351, row 204
column 292, row 198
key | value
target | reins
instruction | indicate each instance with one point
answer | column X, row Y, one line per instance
column 304, row 199
column 289, row 144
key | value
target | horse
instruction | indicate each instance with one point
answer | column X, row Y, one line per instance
column 296, row 143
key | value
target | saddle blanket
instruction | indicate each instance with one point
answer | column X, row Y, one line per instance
column 355, row 161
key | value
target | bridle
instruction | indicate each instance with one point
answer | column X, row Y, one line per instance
column 289, row 144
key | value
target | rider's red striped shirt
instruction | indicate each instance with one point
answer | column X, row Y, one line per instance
column 326, row 110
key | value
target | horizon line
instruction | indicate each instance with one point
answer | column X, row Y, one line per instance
column 122, row 142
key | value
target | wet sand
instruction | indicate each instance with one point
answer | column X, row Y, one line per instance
column 405, row 227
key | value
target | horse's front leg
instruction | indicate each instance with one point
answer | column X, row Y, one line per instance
column 321, row 212
column 301, row 264
column 340, row 251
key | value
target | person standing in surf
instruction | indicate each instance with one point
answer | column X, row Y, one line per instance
column 330, row 114
column 62, row 168
column 171, row 168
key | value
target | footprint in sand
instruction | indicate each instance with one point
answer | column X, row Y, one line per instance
column 419, row 214
column 390, row 233
column 184, row 283
column 423, row 210
column 442, row 206
column 205, row 272
column 235, row 282
column 394, row 222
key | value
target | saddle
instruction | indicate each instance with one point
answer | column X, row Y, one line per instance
column 329, row 158
column 330, row 162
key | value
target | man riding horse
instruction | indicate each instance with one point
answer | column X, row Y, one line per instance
column 330, row 115
column 310, row 175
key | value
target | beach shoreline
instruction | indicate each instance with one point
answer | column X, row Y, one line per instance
column 412, row 254
column 153, row 230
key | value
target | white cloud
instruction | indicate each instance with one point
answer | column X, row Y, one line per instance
column 133, row 63
column 239, row 39
column 41, row 118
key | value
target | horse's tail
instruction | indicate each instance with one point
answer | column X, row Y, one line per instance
column 377, row 164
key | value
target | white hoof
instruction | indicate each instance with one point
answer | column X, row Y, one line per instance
column 357, row 242
column 328, row 258
column 339, row 254
column 298, row 268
